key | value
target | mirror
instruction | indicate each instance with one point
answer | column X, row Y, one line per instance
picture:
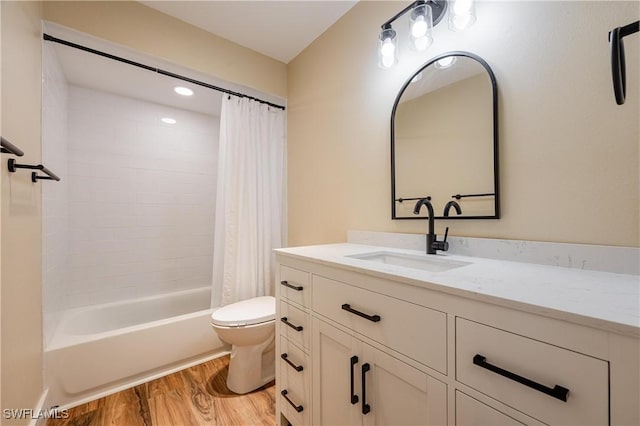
column 444, row 140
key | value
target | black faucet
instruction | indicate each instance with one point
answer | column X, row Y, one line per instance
column 433, row 245
column 454, row 205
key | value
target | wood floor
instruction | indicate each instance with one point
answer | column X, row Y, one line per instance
column 195, row 396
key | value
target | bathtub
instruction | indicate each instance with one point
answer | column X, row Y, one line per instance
column 101, row 349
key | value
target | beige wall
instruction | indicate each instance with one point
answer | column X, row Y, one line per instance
column 21, row 211
column 569, row 155
column 146, row 30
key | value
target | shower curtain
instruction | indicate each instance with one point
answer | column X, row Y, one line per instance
column 250, row 200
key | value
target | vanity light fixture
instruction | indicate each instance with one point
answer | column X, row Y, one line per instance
column 169, row 120
column 184, row 91
column 425, row 14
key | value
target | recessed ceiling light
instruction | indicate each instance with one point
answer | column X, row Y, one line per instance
column 184, row 91
column 169, row 120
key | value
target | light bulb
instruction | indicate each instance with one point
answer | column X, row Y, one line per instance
column 445, row 62
column 462, row 7
column 419, row 27
column 388, row 48
column 422, row 43
column 462, row 15
column 461, row 21
column 169, row 120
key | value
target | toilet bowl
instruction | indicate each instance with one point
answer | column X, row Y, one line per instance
column 249, row 327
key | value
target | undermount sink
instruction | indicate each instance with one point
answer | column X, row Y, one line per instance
column 425, row 263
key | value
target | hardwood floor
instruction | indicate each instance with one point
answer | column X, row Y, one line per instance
column 192, row 397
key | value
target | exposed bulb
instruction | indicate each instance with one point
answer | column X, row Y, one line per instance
column 462, row 7
column 460, row 22
column 422, row 43
column 419, row 27
column 462, row 15
column 388, row 48
column 387, row 61
column 445, row 62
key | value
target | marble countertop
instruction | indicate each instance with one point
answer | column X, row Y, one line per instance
column 603, row 300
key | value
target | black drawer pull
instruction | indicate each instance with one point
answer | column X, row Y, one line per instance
column 354, row 397
column 373, row 318
column 298, row 408
column 557, row 391
column 295, row 367
column 365, row 407
column 295, row 327
column 295, row 287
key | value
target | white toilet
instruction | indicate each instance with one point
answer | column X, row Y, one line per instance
column 249, row 326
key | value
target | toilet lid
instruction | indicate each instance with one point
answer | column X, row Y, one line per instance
column 246, row 312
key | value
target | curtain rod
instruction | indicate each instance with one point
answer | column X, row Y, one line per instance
column 47, row 37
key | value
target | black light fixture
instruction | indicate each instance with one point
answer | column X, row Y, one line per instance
column 425, row 14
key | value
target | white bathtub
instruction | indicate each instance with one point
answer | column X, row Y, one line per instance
column 102, row 349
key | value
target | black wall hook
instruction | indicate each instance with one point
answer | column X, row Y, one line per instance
column 618, row 66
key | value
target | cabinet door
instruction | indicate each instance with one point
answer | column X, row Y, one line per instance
column 333, row 351
column 398, row 394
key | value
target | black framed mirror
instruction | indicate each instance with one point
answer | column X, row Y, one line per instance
column 444, row 139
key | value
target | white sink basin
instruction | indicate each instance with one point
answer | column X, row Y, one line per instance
column 429, row 263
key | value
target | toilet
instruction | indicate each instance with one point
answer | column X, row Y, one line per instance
column 249, row 327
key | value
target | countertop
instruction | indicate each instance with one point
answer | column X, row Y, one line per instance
column 603, row 300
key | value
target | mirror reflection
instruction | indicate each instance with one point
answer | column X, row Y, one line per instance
column 443, row 139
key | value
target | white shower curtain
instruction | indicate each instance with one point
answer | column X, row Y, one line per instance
column 250, row 200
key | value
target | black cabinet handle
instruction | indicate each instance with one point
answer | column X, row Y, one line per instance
column 365, row 407
column 295, row 287
column 354, row 397
column 295, row 367
column 348, row 308
column 557, row 391
column 298, row 408
column 295, row 327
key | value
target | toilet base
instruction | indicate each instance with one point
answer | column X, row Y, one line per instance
column 251, row 367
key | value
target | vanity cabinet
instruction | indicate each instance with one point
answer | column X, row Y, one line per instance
column 357, row 384
column 375, row 350
column 293, row 331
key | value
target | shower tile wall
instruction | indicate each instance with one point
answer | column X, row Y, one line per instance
column 54, row 194
column 141, row 198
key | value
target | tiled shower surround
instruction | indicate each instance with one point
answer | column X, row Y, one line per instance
column 140, row 199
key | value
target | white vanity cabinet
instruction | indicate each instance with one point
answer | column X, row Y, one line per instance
column 377, row 349
column 357, row 384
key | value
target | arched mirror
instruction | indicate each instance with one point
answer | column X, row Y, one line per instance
column 444, row 139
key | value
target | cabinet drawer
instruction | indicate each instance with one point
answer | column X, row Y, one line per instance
column 415, row 331
column 520, row 372
column 471, row 412
column 296, row 379
column 294, row 285
column 294, row 324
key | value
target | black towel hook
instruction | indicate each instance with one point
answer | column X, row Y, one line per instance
column 618, row 66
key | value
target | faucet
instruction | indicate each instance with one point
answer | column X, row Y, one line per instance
column 454, row 205
column 433, row 245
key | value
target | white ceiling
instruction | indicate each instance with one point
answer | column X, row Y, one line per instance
column 279, row 29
